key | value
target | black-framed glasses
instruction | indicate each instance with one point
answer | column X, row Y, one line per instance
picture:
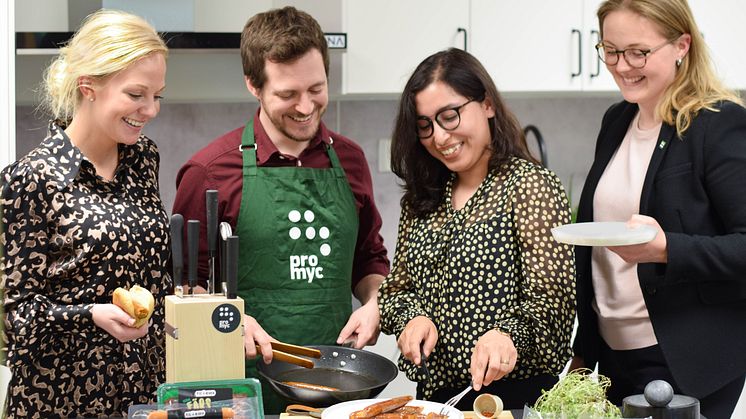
column 449, row 119
column 635, row 57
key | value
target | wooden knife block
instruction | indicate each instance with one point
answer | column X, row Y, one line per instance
column 204, row 338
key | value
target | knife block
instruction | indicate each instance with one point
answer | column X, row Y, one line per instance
column 204, row 338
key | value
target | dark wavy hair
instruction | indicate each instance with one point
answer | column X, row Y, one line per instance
column 424, row 176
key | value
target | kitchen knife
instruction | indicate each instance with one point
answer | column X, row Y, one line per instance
column 231, row 265
column 211, row 203
column 193, row 244
column 177, row 253
column 225, row 232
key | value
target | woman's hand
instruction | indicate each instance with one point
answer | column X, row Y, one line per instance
column 117, row 322
column 652, row 251
column 494, row 356
column 419, row 332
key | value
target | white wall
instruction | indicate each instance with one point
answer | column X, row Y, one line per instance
column 41, row 15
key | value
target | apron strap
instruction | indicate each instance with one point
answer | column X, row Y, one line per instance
column 336, row 165
column 248, row 149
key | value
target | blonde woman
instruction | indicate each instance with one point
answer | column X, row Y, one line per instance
column 672, row 155
column 82, row 216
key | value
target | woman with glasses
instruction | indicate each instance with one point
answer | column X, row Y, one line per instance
column 671, row 155
column 480, row 294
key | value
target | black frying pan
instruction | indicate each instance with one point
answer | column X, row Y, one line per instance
column 358, row 374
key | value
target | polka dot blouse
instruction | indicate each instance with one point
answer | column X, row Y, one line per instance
column 491, row 264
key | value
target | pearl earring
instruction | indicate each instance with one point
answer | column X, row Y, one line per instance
column 678, row 62
column 91, row 99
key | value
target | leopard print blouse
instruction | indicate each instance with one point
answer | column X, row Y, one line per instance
column 491, row 264
column 70, row 238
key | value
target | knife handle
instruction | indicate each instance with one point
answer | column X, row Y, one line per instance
column 193, row 243
column 177, row 249
column 211, row 202
column 231, row 266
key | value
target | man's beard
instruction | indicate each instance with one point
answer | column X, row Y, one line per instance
column 282, row 128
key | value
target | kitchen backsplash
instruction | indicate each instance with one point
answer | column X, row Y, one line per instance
column 568, row 125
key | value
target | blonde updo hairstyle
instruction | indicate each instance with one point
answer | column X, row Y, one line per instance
column 107, row 42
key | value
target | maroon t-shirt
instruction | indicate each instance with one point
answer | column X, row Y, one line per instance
column 219, row 166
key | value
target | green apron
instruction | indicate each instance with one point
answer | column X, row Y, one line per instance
column 297, row 230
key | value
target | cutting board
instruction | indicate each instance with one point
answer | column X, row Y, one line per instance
column 467, row 415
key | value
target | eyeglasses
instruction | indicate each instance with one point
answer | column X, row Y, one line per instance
column 635, row 57
column 449, row 119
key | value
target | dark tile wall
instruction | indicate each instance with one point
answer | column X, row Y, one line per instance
column 568, row 125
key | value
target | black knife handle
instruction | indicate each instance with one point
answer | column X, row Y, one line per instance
column 193, row 243
column 231, row 266
column 211, row 201
column 177, row 246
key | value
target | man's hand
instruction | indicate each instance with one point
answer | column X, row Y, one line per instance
column 419, row 332
column 363, row 326
column 255, row 335
column 117, row 322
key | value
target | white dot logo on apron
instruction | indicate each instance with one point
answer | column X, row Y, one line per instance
column 306, row 267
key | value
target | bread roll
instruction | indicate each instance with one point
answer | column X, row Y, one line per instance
column 137, row 302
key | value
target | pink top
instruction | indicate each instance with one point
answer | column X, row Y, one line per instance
column 623, row 318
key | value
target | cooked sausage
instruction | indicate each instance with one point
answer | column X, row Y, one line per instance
column 381, row 407
column 309, row 386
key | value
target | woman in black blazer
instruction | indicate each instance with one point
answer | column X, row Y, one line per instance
column 686, row 322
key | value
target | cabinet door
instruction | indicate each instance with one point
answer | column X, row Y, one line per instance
column 596, row 77
column 531, row 45
column 226, row 15
column 722, row 25
column 387, row 39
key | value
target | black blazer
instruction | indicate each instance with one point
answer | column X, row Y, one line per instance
column 695, row 187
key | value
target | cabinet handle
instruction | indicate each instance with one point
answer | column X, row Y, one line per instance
column 465, row 36
column 580, row 53
column 598, row 59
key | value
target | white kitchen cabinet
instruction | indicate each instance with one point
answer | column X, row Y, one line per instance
column 539, row 46
column 596, row 77
column 226, row 15
column 386, row 39
column 721, row 22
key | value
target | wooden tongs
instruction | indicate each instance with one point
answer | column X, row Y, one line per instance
column 282, row 352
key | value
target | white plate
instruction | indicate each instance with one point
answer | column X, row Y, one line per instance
column 603, row 233
column 343, row 410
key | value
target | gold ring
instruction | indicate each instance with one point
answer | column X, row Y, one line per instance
column 505, row 362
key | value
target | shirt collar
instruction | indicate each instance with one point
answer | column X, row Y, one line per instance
column 69, row 159
column 265, row 148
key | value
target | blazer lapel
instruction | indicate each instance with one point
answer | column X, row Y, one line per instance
column 667, row 134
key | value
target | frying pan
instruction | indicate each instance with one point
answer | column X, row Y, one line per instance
column 358, row 374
